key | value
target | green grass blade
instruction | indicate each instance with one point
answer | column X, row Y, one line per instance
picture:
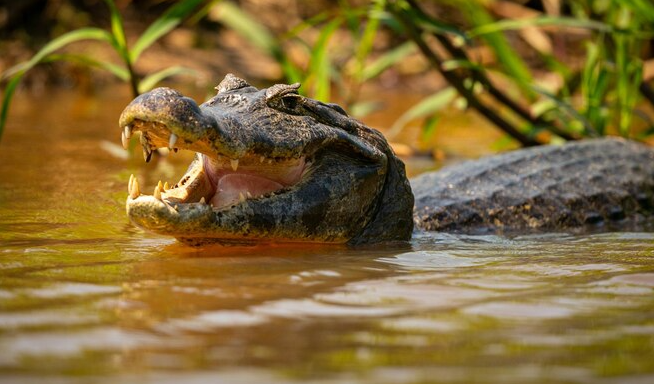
column 433, row 25
column 364, row 108
column 320, row 67
column 58, row 43
column 506, row 55
column 152, row 80
column 119, row 41
column 367, row 40
column 6, row 100
column 515, row 24
column 306, row 24
column 567, row 109
column 233, row 17
column 429, row 128
column 427, row 106
column 250, row 29
column 643, row 8
column 387, row 60
column 164, row 24
column 116, row 70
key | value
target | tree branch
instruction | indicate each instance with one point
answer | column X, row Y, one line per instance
column 458, row 82
column 481, row 77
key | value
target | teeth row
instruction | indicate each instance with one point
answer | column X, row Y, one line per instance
column 135, row 191
column 126, row 134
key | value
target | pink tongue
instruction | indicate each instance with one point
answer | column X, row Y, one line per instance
column 232, row 185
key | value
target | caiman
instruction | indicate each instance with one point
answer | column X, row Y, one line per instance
column 272, row 165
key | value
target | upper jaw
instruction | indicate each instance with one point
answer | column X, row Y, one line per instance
column 168, row 119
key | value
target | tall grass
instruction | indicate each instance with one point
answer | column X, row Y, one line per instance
column 335, row 52
column 597, row 98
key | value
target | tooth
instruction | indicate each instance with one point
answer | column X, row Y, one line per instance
column 261, row 159
column 269, row 161
column 134, row 190
column 166, row 186
column 172, row 141
column 129, row 184
column 202, row 201
column 124, row 139
column 147, row 155
column 160, row 186
column 241, row 198
column 128, row 131
column 157, row 193
column 234, row 164
column 248, row 194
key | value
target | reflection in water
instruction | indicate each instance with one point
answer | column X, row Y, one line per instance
column 85, row 296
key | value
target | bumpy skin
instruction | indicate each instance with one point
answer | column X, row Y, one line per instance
column 355, row 191
column 549, row 187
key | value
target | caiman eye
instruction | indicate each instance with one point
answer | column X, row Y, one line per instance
column 289, row 102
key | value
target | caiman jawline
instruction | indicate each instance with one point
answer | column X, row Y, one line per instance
column 214, row 179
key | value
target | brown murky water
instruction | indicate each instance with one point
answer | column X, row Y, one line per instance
column 86, row 297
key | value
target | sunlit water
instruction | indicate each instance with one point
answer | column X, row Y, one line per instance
column 86, row 297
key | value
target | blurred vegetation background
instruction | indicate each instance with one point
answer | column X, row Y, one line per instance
column 540, row 71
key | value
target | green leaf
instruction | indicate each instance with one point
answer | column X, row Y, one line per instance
column 164, row 24
column 233, row 17
column 427, row 106
column 319, row 65
column 429, row 128
column 6, row 100
column 387, row 60
column 433, row 25
column 367, row 39
column 567, row 109
column 506, row 55
column 643, row 8
column 245, row 25
column 152, row 80
column 118, row 40
column 116, row 70
column 514, row 24
column 364, row 108
column 58, row 43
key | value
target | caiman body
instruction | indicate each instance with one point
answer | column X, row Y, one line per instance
column 272, row 165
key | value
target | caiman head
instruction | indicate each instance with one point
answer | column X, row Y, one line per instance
column 270, row 165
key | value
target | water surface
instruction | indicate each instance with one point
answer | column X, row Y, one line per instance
column 87, row 297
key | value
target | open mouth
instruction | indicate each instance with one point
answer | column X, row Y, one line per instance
column 214, row 179
column 270, row 165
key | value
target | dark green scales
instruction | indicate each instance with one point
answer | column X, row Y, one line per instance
column 272, row 165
